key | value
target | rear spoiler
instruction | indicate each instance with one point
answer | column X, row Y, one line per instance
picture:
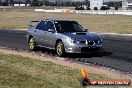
column 32, row 23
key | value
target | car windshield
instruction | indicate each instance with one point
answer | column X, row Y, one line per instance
column 68, row 26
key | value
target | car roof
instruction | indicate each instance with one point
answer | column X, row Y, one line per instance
column 58, row 20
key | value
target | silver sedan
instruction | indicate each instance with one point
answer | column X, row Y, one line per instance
column 63, row 36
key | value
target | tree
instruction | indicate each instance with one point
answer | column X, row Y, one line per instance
column 117, row 5
column 57, row 2
column 114, row 4
column 11, row 2
column 28, row 1
column 68, row 3
column 0, row 2
column 95, row 8
column 37, row 3
column 111, row 3
column 87, row 3
column 46, row 3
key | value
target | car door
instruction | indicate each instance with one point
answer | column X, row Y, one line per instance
column 50, row 35
column 40, row 32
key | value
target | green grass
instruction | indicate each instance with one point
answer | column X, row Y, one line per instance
column 94, row 23
column 22, row 72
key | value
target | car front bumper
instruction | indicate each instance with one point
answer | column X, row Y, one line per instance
column 82, row 48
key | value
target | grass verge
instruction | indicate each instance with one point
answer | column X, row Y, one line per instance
column 23, row 72
column 20, row 72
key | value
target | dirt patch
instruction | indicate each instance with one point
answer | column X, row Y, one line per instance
column 113, row 74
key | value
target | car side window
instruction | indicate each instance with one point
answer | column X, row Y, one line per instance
column 41, row 26
column 50, row 25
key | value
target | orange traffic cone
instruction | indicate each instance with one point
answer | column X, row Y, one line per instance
column 85, row 81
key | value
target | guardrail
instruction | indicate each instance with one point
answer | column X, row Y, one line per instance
column 106, row 12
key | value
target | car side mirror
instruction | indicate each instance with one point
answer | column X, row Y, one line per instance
column 86, row 30
column 51, row 30
column 30, row 26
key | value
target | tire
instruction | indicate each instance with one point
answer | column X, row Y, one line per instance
column 60, row 50
column 32, row 44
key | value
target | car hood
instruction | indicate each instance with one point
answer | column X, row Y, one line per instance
column 82, row 35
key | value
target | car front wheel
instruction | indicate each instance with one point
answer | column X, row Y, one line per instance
column 32, row 44
column 60, row 50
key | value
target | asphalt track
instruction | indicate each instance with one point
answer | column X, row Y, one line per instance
column 117, row 50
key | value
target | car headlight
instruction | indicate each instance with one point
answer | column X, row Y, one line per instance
column 74, row 41
column 100, row 41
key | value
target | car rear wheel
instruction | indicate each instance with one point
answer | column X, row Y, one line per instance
column 32, row 44
column 60, row 50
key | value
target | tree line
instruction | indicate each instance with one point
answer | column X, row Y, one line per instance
column 77, row 4
column 45, row 2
